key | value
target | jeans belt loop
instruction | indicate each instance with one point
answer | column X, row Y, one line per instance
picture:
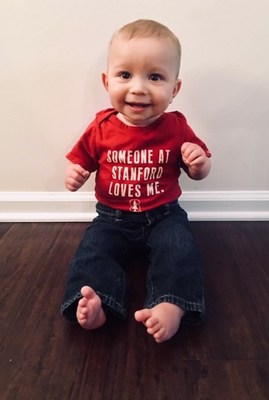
column 118, row 216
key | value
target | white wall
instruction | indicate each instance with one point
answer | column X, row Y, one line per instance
column 52, row 54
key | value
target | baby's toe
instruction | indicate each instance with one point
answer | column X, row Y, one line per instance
column 159, row 336
column 153, row 327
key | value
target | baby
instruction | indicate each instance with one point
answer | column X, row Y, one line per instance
column 138, row 151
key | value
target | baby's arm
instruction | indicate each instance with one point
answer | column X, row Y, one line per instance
column 197, row 162
column 75, row 177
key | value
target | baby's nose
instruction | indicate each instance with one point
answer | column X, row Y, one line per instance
column 138, row 86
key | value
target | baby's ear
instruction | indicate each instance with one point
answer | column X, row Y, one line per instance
column 177, row 87
column 105, row 80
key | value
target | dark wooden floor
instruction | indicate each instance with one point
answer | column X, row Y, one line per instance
column 43, row 357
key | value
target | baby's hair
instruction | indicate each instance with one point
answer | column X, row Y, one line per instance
column 143, row 28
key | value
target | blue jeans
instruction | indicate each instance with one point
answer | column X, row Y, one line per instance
column 174, row 273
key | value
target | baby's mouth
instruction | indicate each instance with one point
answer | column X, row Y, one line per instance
column 138, row 106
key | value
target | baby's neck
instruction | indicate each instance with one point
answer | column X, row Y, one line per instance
column 122, row 118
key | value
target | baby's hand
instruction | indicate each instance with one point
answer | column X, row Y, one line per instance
column 196, row 160
column 192, row 154
column 76, row 176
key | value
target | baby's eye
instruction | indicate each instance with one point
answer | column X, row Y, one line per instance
column 125, row 75
column 155, row 77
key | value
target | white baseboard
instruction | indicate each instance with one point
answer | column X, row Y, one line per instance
column 79, row 207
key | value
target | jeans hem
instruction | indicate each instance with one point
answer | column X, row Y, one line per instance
column 112, row 306
column 65, row 308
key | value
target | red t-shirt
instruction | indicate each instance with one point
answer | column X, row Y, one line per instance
column 137, row 168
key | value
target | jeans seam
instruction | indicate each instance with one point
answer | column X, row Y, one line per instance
column 68, row 303
column 186, row 305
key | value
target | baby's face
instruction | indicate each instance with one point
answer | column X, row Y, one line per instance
column 141, row 78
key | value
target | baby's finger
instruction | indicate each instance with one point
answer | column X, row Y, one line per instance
column 81, row 171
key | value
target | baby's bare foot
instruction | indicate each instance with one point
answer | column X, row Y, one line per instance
column 162, row 321
column 90, row 314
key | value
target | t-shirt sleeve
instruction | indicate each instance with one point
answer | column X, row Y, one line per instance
column 84, row 151
column 190, row 136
